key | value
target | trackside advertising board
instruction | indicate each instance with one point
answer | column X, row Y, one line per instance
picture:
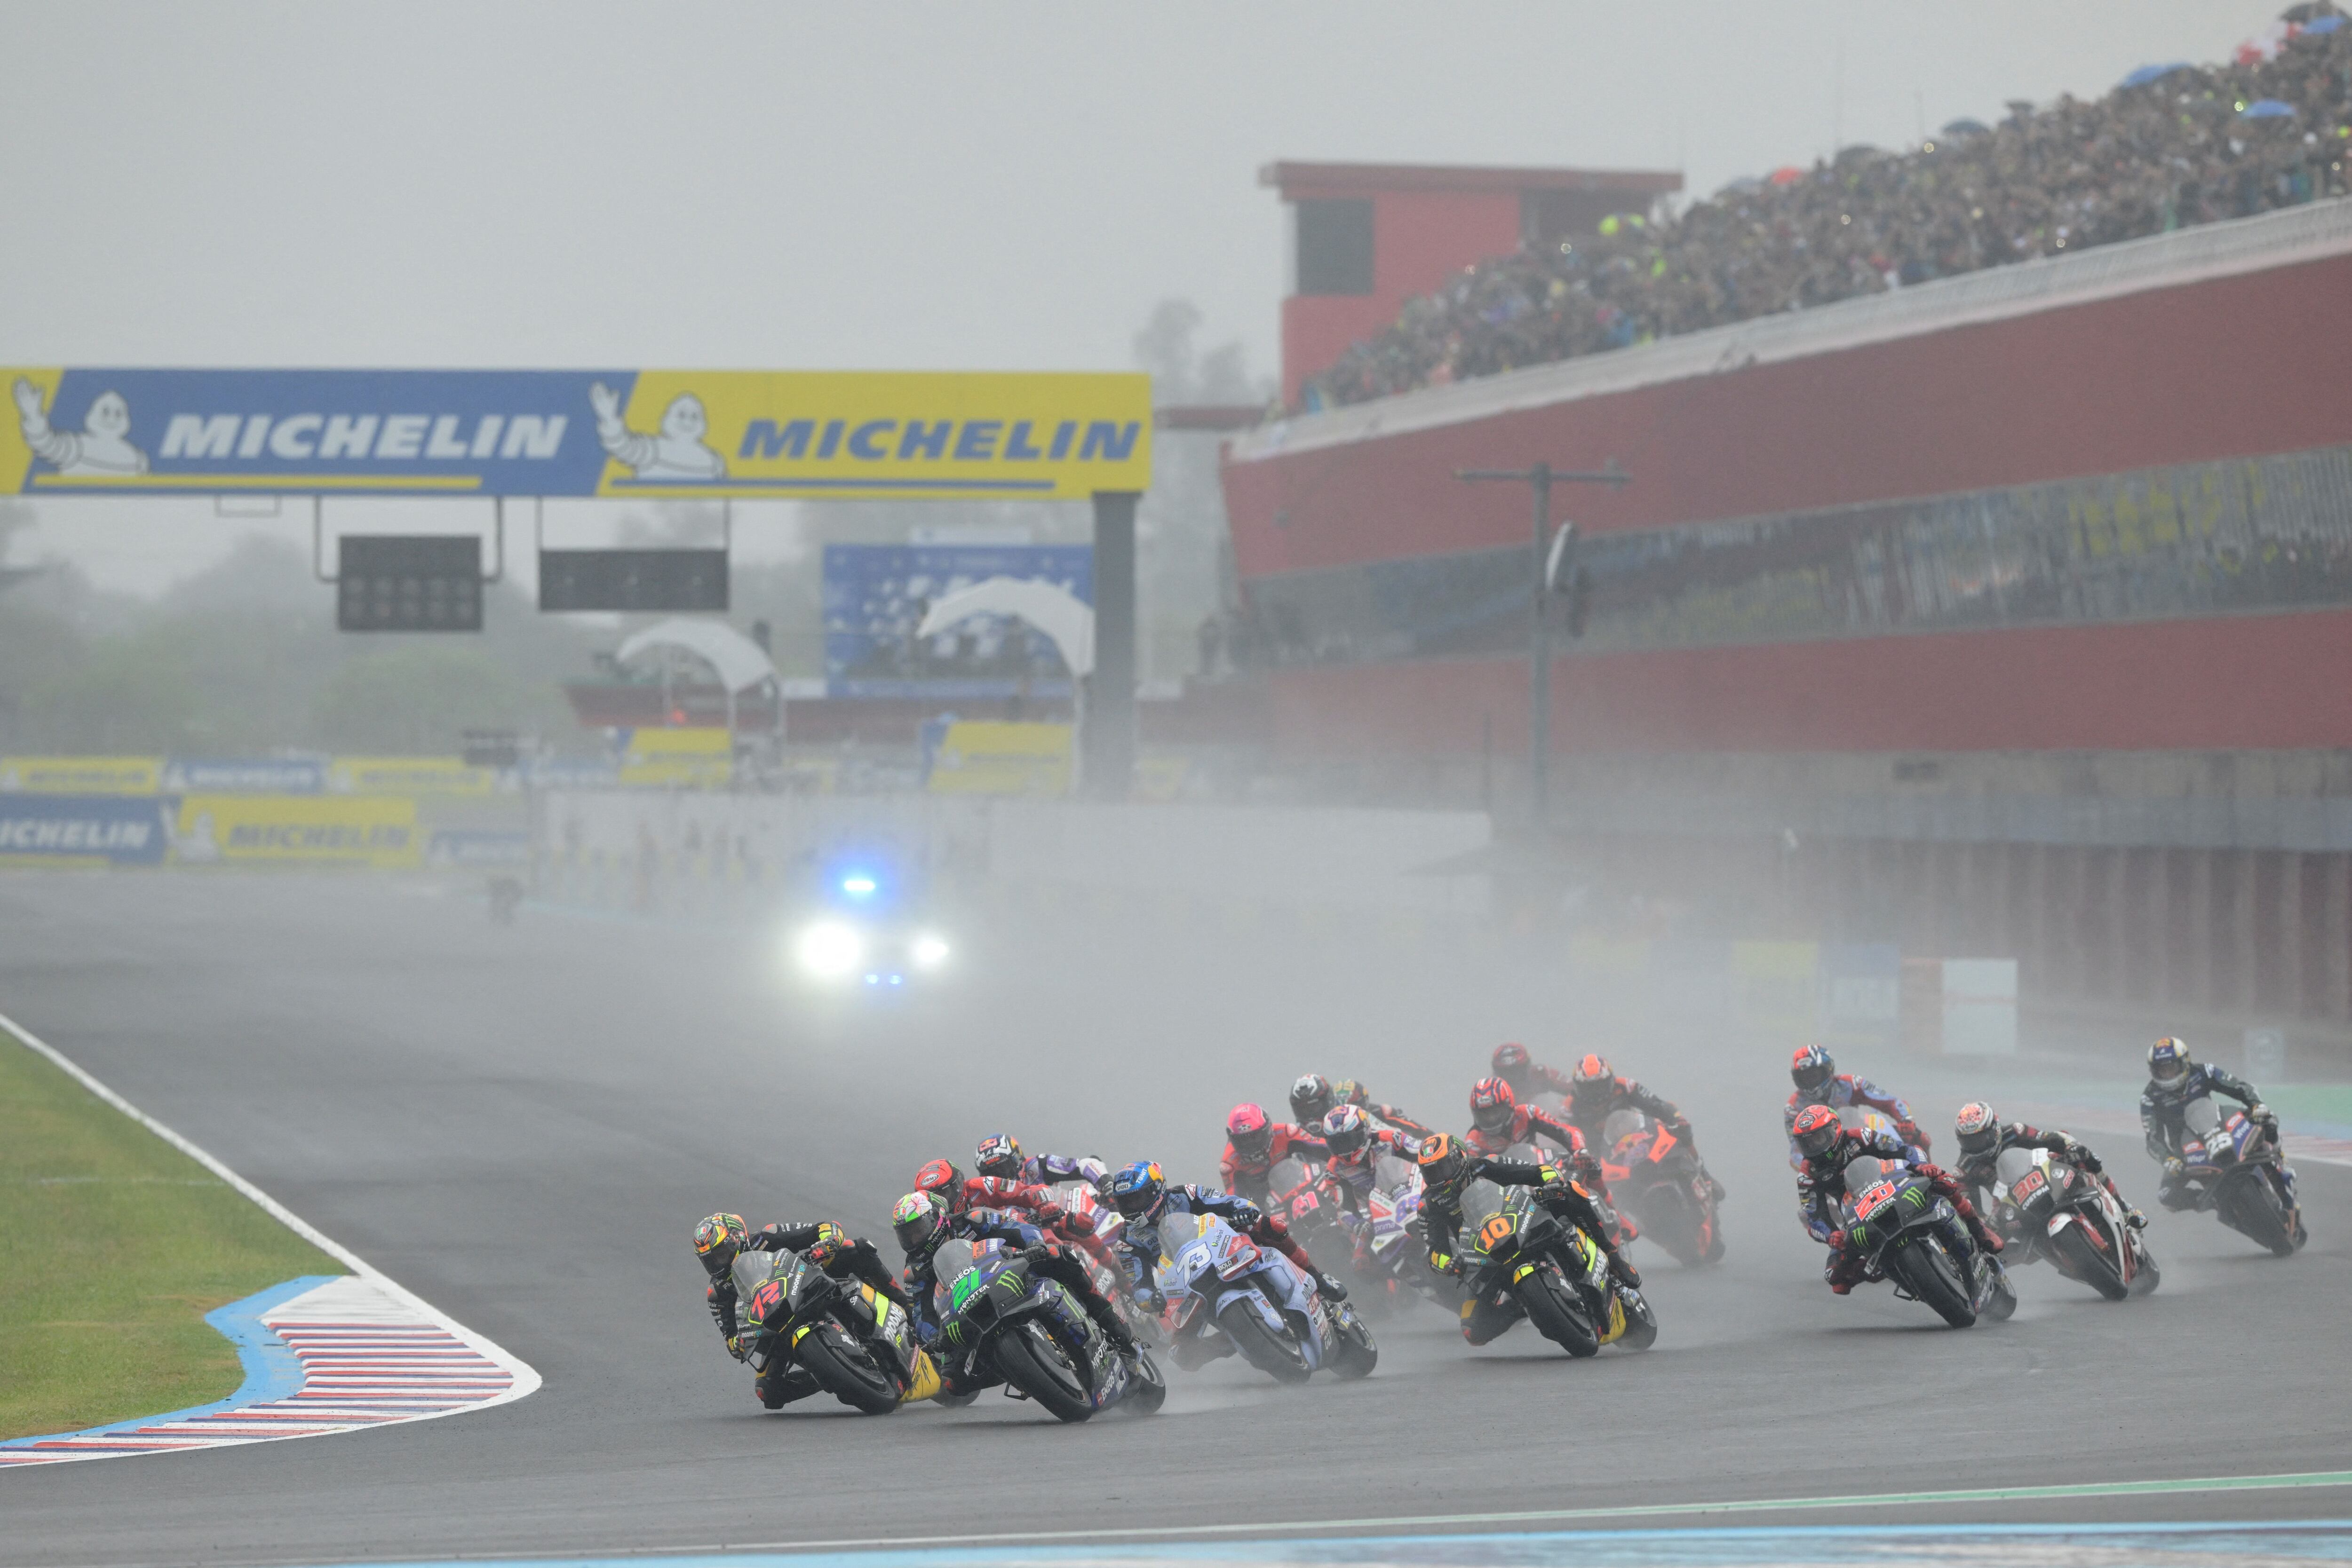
column 81, row 775
column 378, row 830
column 845, row 435
column 408, row 775
column 123, row 830
column 247, row 776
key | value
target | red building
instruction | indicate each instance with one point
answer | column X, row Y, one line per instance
column 1366, row 238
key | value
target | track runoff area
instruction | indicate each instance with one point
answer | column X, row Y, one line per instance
column 521, row 1126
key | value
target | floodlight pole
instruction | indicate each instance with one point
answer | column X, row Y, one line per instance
column 1540, row 480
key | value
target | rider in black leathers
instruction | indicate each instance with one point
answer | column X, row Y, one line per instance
column 2174, row 1079
column 923, row 1223
column 1447, row 1169
column 720, row 1238
column 1983, row 1136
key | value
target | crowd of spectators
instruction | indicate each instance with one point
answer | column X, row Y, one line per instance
column 2174, row 146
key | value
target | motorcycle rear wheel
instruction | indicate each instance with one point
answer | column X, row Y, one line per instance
column 2091, row 1265
column 1041, row 1372
column 849, row 1376
column 1274, row 1355
column 1666, row 1216
column 1928, row 1271
column 1557, row 1317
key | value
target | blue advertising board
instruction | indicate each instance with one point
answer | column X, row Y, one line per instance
column 876, row 596
column 127, row 830
column 246, row 776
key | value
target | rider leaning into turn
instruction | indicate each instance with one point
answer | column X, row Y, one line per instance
column 1596, row 1093
column 1498, row 1122
column 1827, row 1148
column 2174, row 1079
column 1819, row 1082
column 1255, row 1145
column 1001, row 1157
column 1348, row 1092
column 1142, row 1193
column 1447, row 1169
column 1033, row 1201
column 923, row 1223
column 1983, row 1136
column 718, row 1239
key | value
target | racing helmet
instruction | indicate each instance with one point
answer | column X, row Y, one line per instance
column 1811, row 1068
column 717, row 1238
column 1251, row 1134
column 1348, row 1092
column 1346, row 1129
column 1000, row 1156
column 1310, row 1099
column 1593, row 1076
column 1440, row 1159
column 1816, row 1129
column 1492, row 1105
column 921, row 1223
column 2167, row 1059
column 1137, row 1190
column 1978, row 1127
column 941, row 1176
column 1511, row 1062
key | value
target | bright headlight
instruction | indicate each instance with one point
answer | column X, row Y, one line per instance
column 830, row 949
column 929, row 951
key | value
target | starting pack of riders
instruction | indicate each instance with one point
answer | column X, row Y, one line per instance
column 1063, row 1282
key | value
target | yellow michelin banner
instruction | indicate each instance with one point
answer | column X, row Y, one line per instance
column 81, row 775
column 408, row 775
column 977, row 758
column 683, row 757
column 377, row 830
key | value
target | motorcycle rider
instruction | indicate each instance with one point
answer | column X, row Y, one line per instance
column 1819, row 1082
column 1526, row 1076
column 1001, row 1157
column 1348, row 1092
column 2174, row 1079
column 1447, row 1169
column 1596, row 1093
column 1983, row 1135
column 1828, row 1146
column 1311, row 1099
column 1497, row 1121
column 1253, row 1146
column 961, row 1192
column 1142, row 1193
column 923, row 1221
column 720, row 1238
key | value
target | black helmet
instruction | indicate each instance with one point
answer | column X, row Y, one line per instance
column 1312, row 1100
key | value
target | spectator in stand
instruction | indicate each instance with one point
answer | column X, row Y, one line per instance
column 2195, row 145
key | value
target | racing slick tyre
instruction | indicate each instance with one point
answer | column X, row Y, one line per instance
column 1557, row 1314
column 1032, row 1363
column 1353, row 1354
column 1641, row 1324
column 2255, row 1209
column 1272, row 1354
column 843, row 1369
column 1928, row 1271
column 947, row 1401
column 1150, row 1390
column 2088, row 1264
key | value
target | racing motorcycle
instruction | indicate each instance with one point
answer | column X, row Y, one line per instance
column 1218, row 1280
column 1399, row 1245
column 819, row 1332
column 1027, row 1331
column 1914, row 1238
column 2236, row 1165
column 1554, row 1271
column 2047, row 1208
column 1658, row 1175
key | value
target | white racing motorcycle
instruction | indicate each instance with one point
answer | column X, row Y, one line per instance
column 1218, row 1281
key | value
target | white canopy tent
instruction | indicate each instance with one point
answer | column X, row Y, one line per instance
column 740, row 664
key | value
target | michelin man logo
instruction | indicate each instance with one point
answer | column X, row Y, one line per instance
column 101, row 448
column 678, row 453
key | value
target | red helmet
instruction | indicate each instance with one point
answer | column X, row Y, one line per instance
column 1492, row 1105
column 941, row 1176
column 1812, row 1067
column 1816, row 1128
column 1252, row 1135
column 1593, row 1069
column 1510, row 1056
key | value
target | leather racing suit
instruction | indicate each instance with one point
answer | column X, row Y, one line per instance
column 1977, row 1171
column 1822, row 1186
column 1530, row 1123
column 834, row 1249
column 1048, row 1259
column 1139, row 1239
column 1249, row 1175
column 1035, row 1204
column 2163, row 1106
column 1845, row 1089
column 1484, row 1317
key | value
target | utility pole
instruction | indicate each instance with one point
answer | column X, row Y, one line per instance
column 1550, row 558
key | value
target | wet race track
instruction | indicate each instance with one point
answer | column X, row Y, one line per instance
column 522, row 1125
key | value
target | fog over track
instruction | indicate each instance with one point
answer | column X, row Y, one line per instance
column 523, row 1124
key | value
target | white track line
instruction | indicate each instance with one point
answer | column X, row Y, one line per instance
column 372, row 1352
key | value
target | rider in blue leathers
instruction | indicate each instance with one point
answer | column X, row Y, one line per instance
column 2174, row 1079
column 1001, row 1156
column 1819, row 1082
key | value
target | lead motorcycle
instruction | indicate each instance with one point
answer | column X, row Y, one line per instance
column 1554, row 1271
column 1027, row 1331
column 2047, row 1207
column 1219, row 1281
column 1658, row 1175
column 1913, row 1239
column 2235, row 1163
column 816, row 1332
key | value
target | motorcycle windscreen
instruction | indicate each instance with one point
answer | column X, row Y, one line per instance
column 1391, row 1175
column 1622, row 1123
column 2202, row 1117
column 753, row 1270
column 2010, row 1164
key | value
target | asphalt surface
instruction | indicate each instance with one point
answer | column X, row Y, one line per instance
column 523, row 1124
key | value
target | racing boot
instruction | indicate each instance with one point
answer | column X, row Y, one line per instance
column 1622, row 1270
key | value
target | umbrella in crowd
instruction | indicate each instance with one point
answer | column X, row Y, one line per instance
column 2147, row 74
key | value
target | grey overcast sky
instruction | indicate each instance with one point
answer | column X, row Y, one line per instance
column 1006, row 185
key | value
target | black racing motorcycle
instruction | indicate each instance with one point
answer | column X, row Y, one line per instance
column 1553, row 1270
column 842, row 1337
column 2235, row 1167
column 1028, row 1330
column 1914, row 1238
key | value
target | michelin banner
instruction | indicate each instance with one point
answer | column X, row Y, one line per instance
column 123, row 830
column 910, row 435
column 377, row 830
column 81, row 775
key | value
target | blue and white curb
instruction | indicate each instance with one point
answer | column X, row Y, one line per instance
column 324, row 1354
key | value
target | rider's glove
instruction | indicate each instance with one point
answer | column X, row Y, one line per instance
column 2174, row 1165
column 1553, row 1175
column 2088, row 1160
column 1331, row 1286
column 1837, row 1240
column 739, row 1345
column 1050, row 1215
column 2258, row 1111
column 1443, row 1262
column 1152, row 1301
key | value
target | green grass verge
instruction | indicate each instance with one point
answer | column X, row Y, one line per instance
column 113, row 1246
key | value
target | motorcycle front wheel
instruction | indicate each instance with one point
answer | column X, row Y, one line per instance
column 1558, row 1316
column 2255, row 1211
column 1275, row 1354
column 1928, row 1271
column 2088, row 1264
column 1035, row 1363
column 847, row 1372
